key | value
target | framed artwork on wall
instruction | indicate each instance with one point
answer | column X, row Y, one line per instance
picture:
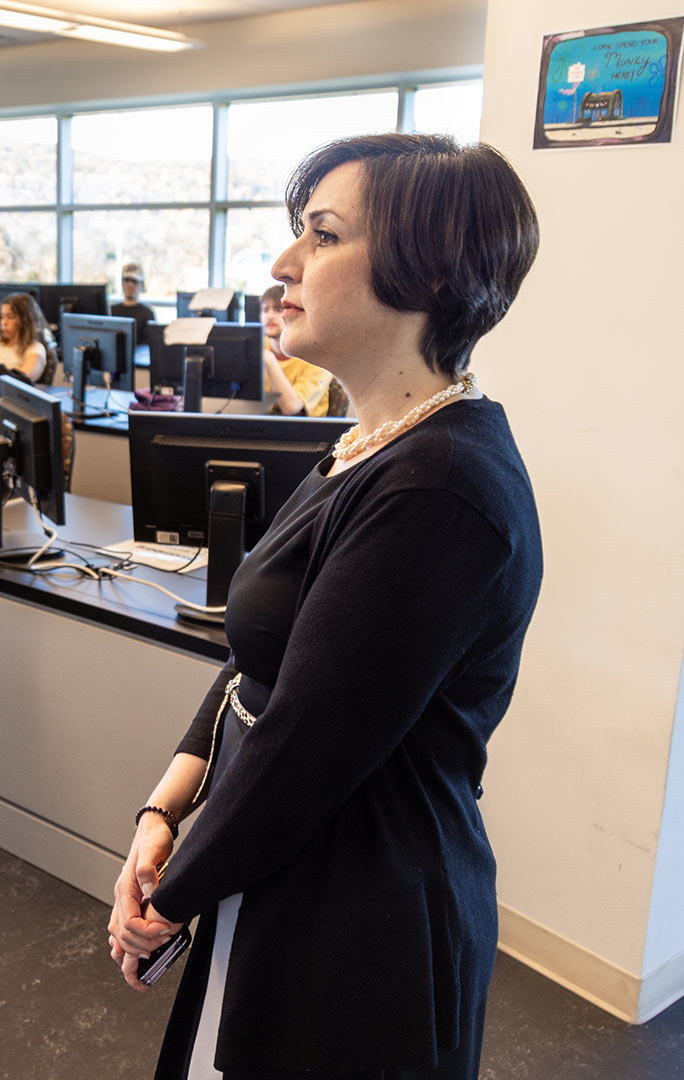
column 615, row 85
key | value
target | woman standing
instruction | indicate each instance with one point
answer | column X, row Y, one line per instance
column 340, row 863
column 22, row 329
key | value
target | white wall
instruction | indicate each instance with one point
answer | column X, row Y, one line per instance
column 352, row 40
column 589, row 365
column 590, row 871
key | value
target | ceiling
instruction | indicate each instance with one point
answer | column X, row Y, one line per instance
column 157, row 13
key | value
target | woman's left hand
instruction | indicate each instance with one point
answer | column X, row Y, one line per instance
column 142, row 937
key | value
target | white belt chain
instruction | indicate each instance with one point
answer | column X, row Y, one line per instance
column 230, row 697
column 238, row 708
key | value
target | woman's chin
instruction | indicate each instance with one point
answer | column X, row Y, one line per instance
column 290, row 346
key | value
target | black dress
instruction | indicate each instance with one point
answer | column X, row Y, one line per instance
column 379, row 626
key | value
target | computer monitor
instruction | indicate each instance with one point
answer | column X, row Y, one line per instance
column 230, row 365
column 184, row 311
column 252, row 308
column 243, row 308
column 31, row 459
column 98, row 350
column 65, row 298
column 30, row 287
column 196, row 477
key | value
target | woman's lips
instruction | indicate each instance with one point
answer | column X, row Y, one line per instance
column 288, row 308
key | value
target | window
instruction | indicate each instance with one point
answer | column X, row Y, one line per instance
column 450, row 110
column 28, row 246
column 255, row 238
column 28, row 161
column 171, row 245
column 266, row 139
column 142, row 155
column 140, row 183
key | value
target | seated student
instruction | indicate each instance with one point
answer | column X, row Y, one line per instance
column 132, row 284
column 23, row 337
column 302, row 387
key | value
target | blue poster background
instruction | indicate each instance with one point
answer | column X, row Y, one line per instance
column 631, row 61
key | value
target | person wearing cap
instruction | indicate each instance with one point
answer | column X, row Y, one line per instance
column 132, row 284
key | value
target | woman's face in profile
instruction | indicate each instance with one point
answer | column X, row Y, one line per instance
column 329, row 309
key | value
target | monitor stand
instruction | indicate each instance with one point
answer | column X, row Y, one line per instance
column 227, row 505
column 192, row 382
column 80, row 371
column 23, row 545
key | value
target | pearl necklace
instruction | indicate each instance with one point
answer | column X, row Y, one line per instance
column 350, row 444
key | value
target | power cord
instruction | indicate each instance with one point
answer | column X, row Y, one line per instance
column 50, row 533
column 102, row 572
column 106, row 571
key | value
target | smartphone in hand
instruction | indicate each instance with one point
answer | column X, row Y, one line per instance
column 161, row 959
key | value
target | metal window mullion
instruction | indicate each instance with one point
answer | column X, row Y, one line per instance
column 77, row 207
column 217, row 208
column 405, row 104
column 65, row 194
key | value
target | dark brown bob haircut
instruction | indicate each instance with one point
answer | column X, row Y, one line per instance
column 451, row 232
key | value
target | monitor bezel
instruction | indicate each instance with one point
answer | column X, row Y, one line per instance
column 167, row 362
column 27, row 404
column 109, row 326
column 91, row 299
column 219, row 437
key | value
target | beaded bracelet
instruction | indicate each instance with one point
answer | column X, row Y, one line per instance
column 168, row 815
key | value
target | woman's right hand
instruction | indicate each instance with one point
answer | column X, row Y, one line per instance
column 131, row 935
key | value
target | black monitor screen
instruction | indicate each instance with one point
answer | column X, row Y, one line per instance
column 30, row 287
column 233, row 364
column 64, row 298
column 31, row 448
column 244, row 308
column 170, row 473
column 108, row 346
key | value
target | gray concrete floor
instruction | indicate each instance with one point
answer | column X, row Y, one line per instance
column 65, row 1013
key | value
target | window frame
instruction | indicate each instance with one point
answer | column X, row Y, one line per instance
column 217, row 204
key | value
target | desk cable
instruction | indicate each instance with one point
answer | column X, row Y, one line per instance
column 99, row 573
column 83, row 411
column 106, row 571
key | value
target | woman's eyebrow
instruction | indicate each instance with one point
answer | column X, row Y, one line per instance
column 312, row 216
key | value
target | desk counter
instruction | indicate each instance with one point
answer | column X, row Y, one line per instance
column 99, row 683
column 115, row 603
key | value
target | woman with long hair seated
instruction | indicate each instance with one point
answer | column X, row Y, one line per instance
column 22, row 337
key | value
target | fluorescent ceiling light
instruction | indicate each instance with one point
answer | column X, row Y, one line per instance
column 106, row 31
column 143, row 39
column 19, row 20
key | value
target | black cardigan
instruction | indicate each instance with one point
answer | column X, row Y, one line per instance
column 349, row 819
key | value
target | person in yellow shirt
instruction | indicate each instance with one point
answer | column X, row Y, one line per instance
column 302, row 388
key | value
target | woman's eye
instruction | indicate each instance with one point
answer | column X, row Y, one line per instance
column 324, row 237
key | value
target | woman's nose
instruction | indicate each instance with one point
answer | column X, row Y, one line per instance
column 286, row 266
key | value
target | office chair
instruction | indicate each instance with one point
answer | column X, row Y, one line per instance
column 48, row 376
